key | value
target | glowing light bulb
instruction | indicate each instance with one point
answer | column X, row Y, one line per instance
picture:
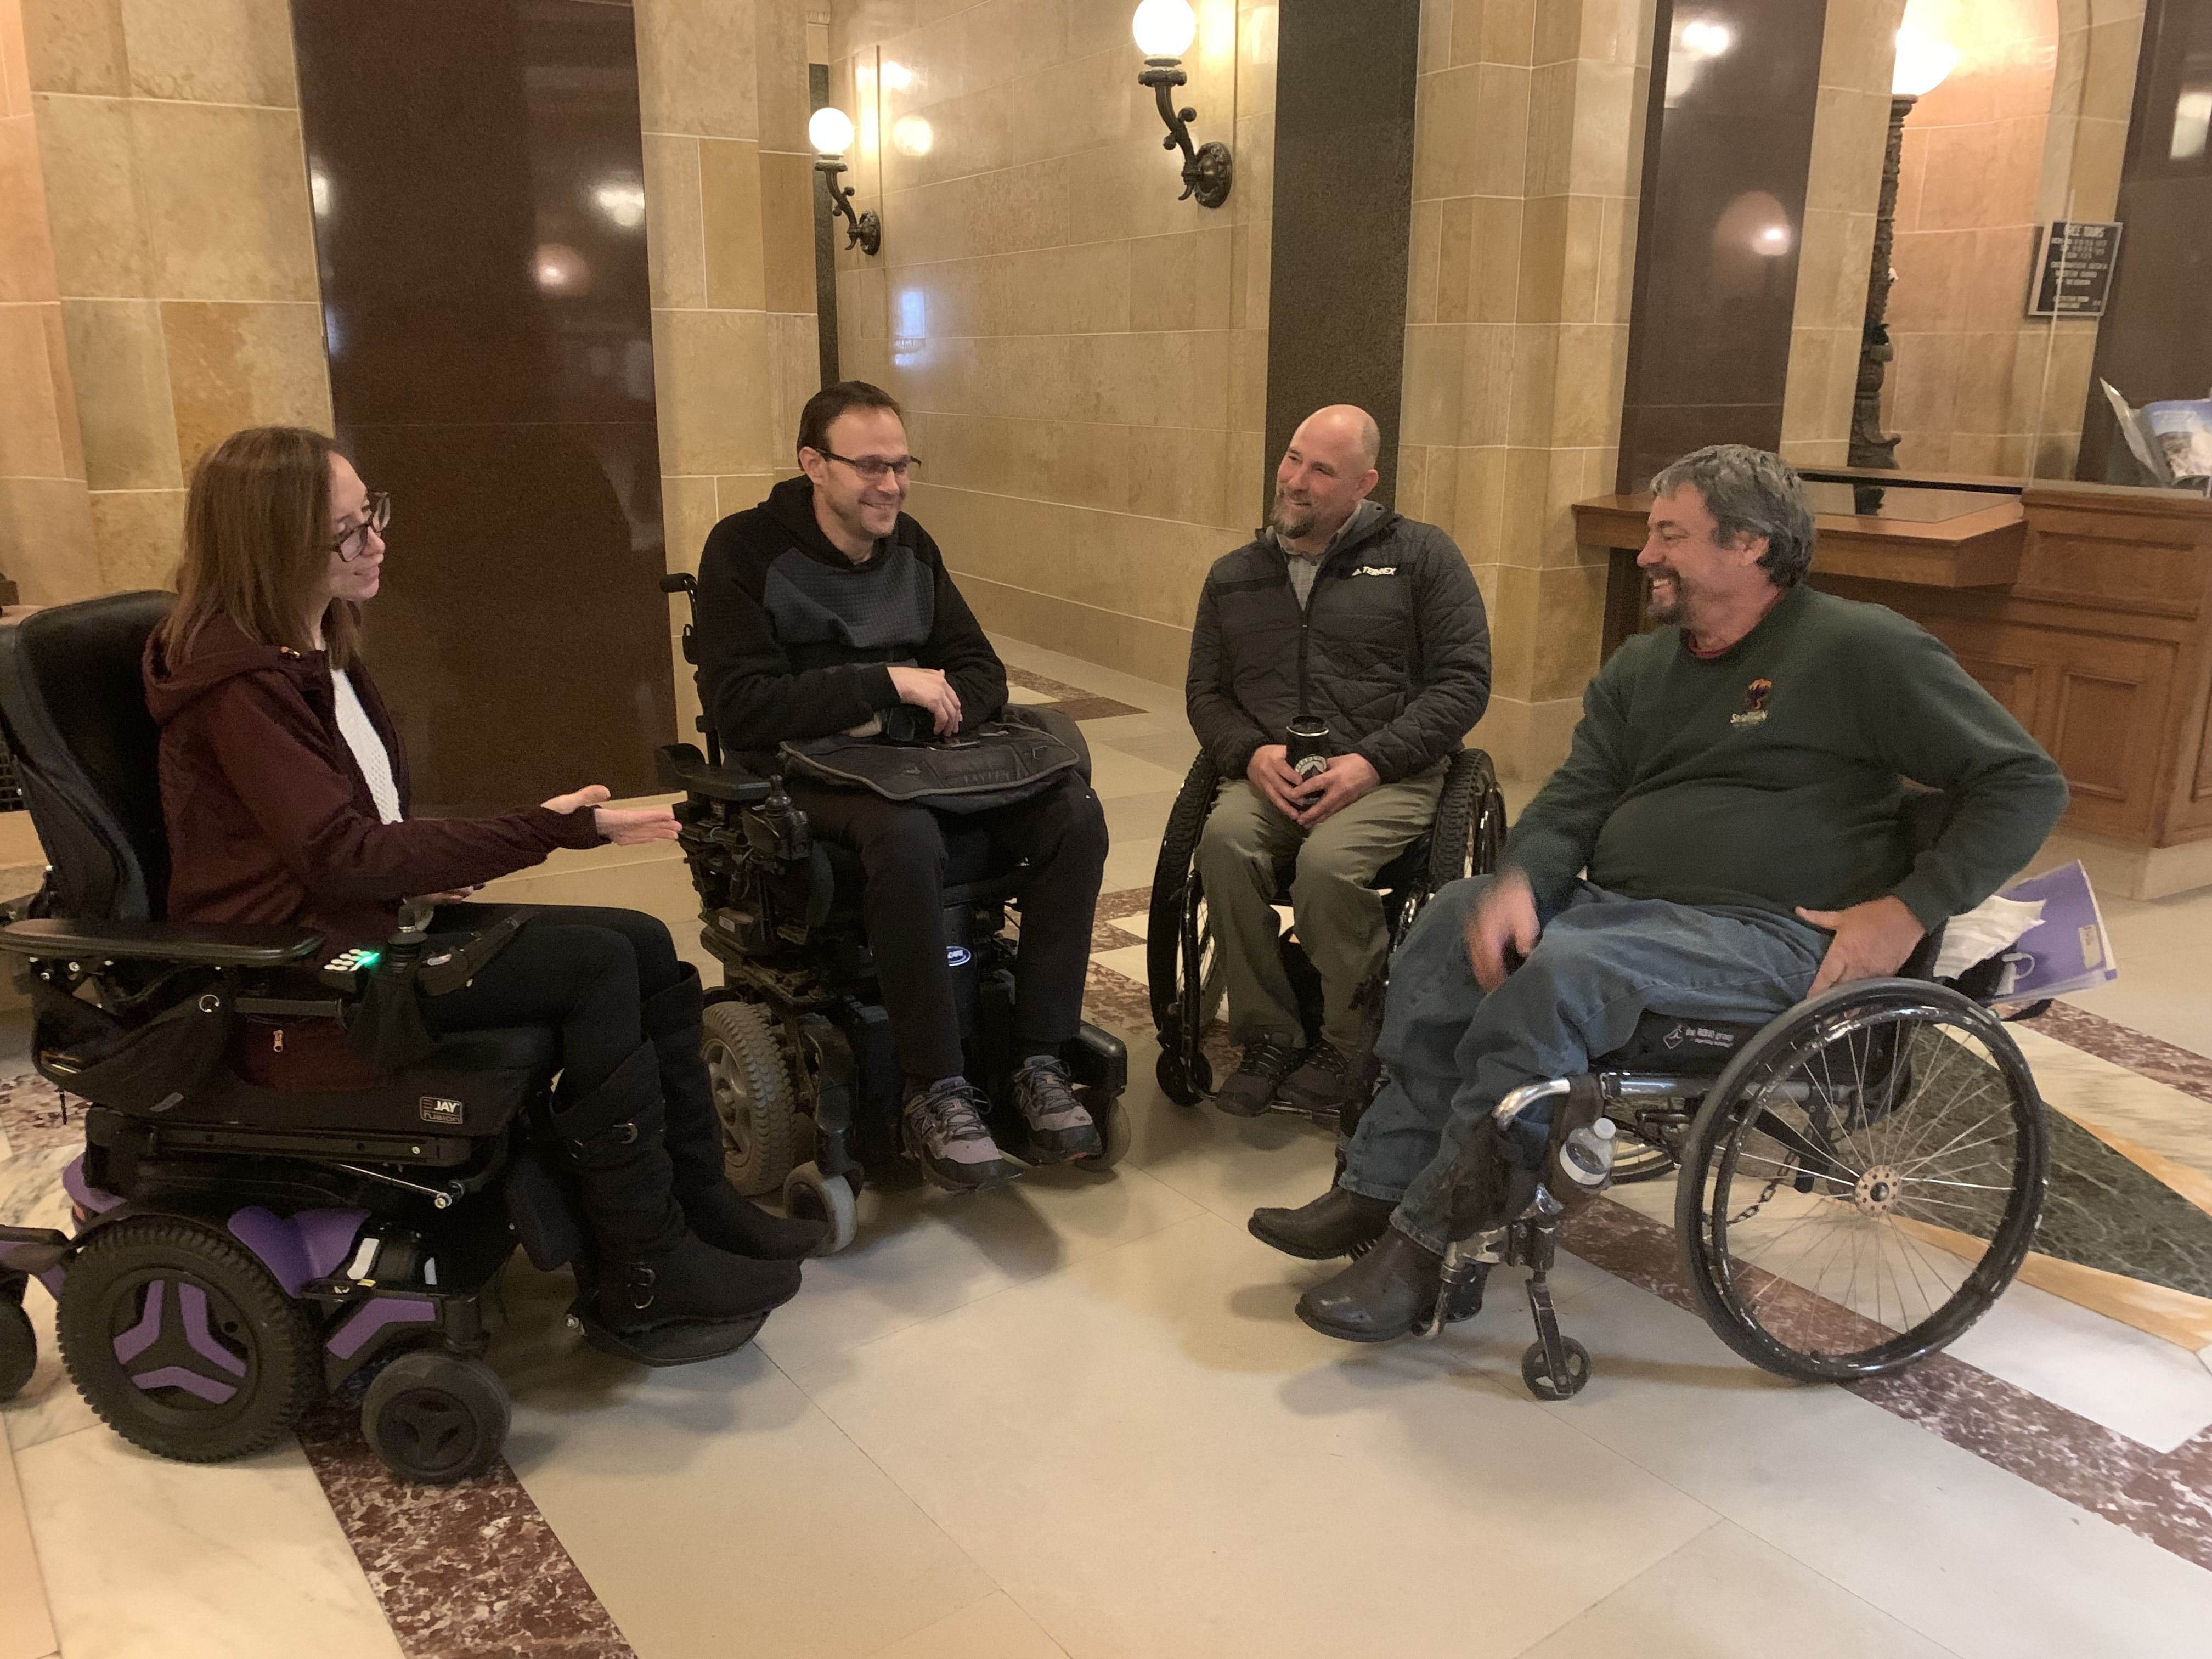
column 1922, row 61
column 831, row 131
column 1164, row 28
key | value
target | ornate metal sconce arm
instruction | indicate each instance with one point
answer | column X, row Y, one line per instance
column 1206, row 170
column 865, row 231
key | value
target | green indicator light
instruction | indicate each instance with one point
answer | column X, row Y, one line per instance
column 370, row 958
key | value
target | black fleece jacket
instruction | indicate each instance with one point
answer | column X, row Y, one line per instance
column 795, row 641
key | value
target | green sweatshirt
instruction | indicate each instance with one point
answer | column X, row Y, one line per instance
column 1773, row 776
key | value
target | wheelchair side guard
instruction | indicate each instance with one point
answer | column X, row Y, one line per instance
column 1098, row 1060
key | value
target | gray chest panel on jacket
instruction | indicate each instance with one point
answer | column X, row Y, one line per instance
column 891, row 606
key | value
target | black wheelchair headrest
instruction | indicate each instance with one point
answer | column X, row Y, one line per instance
column 73, row 712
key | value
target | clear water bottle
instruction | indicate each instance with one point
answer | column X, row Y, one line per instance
column 1586, row 1159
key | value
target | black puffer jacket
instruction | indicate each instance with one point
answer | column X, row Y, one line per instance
column 1392, row 649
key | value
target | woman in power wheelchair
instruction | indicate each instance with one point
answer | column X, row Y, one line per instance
column 305, row 1122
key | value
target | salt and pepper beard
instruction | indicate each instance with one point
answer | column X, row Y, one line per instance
column 1284, row 525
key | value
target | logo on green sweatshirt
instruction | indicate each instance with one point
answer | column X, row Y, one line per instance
column 1754, row 704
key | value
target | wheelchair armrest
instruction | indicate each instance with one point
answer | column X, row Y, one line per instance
column 46, row 938
column 681, row 766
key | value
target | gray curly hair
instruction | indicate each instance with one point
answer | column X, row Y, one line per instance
column 1750, row 492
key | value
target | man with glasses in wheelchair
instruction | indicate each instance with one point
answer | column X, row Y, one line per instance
column 1727, row 837
column 826, row 610
column 1346, row 620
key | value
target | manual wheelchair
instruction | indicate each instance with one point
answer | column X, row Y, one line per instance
column 1463, row 839
column 806, row 1077
column 258, row 1215
column 1860, row 1178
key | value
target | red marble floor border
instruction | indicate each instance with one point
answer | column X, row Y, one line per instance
column 471, row 1571
column 1071, row 701
column 2149, row 1056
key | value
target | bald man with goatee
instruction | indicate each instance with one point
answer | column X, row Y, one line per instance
column 1341, row 610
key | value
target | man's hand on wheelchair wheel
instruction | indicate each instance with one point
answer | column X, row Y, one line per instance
column 1871, row 939
column 625, row 826
column 928, row 688
column 1348, row 778
column 1503, row 920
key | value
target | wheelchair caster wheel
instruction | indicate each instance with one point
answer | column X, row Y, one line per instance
column 1185, row 1085
column 19, row 1347
column 1112, row 1117
column 1537, row 1374
column 813, row 1196
column 436, row 1417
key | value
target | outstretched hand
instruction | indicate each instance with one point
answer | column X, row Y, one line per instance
column 1505, row 918
column 625, row 826
column 1871, row 939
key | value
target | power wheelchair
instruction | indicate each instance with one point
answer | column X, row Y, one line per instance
column 257, row 1215
column 1859, row 1179
column 806, row 1077
column 1463, row 839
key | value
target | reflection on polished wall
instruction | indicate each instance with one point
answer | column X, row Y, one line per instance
column 168, row 143
column 1526, row 162
column 1082, row 355
column 483, row 283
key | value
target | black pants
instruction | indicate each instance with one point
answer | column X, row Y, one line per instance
column 586, row 970
column 1062, row 834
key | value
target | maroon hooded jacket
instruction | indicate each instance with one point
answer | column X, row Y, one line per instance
column 269, row 819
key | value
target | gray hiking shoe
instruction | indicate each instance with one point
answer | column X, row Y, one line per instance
column 941, row 1128
column 1322, row 1085
column 1251, row 1089
column 1060, row 1127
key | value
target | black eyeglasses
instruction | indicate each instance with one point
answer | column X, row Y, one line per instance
column 350, row 544
column 872, row 468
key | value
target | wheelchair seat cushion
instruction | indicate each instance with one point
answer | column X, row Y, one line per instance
column 470, row 1083
column 1672, row 1044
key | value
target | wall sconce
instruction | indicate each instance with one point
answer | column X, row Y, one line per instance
column 830, row 132
column 1164, row 30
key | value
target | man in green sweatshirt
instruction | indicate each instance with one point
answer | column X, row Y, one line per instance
column 1725, row 838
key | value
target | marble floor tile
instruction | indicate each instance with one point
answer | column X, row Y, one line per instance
column 149, row 1560
column 1128, row 962
column 995, row 1628
column 712, row 1508
column 27, row 1630
column 1968, row 1555
column 921, row 1252
column 1116, row 773
column 1725, row 1595
column 1147, row 695
column 1294, row 1496
column 2095, row 1091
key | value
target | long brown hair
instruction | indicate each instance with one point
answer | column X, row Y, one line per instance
column 258, row 542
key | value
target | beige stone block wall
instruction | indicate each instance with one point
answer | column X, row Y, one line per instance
column 1843, row 188
column 729, row 244
column 1527, row 159
column 2030, row 127
column 1082, row 357
column 176, row 187
column 46, row 514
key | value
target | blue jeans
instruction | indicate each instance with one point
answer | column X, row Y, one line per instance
column 1454, row 1053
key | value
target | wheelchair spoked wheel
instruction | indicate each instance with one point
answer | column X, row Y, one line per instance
column 1863, row 1182
column 1180, row 961
column 436, row 1417
column 183, row 1342
column 764, row 1132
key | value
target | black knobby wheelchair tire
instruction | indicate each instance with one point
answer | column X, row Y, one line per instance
column 1469, row 829
column 283, row 1361
column 754, row 1086
column 436, row 1417
column 1712, row 1286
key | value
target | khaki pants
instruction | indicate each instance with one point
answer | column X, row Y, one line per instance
column 1337, row 912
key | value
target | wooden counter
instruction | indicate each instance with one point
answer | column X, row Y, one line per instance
column 2085, row 609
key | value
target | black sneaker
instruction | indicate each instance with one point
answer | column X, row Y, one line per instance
column 941, row 1128
column 1060, row 1127
column 1250, row 1090
column 1323, row 1085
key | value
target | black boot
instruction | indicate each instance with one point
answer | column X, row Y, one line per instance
column 1386, row 1293
column 1338, row 1223
column 651, row 1273
column 718, row 1211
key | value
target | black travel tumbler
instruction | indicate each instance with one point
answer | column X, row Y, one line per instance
column 1306, row 746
